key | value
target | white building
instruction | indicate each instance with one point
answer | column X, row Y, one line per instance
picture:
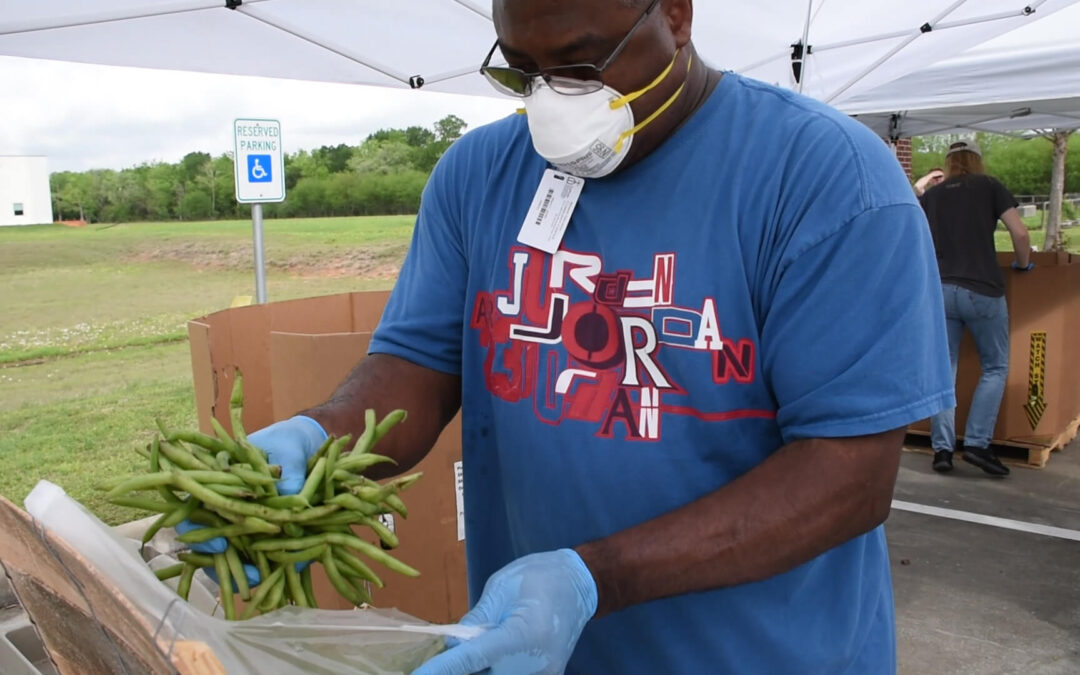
column 25, row 198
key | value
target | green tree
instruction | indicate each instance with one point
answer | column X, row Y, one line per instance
column 196, row 204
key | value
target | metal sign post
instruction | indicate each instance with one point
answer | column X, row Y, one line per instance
column 260, row 177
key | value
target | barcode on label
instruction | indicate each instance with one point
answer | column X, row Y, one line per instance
column 544, row 206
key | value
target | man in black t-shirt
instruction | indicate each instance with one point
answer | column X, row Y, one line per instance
column 963, row 211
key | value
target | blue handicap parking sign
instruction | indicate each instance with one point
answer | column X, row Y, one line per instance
column 259, row 169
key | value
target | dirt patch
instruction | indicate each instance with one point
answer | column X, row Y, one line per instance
column 380, row 262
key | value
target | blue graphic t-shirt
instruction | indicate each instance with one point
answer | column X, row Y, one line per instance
column 765, row 275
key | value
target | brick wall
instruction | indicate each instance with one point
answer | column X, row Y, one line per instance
column 903, row 154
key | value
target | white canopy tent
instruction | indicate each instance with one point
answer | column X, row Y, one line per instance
column 854, row 45
column 1027, row 79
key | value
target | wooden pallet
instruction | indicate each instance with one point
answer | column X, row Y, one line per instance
column 1033, row 452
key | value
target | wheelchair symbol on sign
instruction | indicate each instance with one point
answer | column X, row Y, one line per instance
column 259, row 168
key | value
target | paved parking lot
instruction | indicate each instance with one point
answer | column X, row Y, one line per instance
column 979, row 597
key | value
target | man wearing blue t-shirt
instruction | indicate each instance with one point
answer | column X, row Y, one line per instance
column 686, row 317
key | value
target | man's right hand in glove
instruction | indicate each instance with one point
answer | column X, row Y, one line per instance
column 289, row 444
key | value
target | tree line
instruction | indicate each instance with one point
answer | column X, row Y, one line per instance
column 384, row 175
column 1022, row 165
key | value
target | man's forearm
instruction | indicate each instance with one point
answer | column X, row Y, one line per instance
column 808, row 497
column 385, row 383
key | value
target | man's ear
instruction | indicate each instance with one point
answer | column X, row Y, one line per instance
column 679, row 15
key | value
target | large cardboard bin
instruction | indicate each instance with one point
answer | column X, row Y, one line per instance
column 1042, row 392
column 292, row 355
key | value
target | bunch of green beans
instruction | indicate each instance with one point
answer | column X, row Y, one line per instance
column 226, row 484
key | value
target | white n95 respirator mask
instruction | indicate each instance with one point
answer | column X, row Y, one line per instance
column 588, row 135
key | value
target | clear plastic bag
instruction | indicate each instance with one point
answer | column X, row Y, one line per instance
column 290, row 640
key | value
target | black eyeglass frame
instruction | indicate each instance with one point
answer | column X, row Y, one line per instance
column 576, row 85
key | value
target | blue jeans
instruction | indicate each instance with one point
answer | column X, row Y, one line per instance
column 988, row 320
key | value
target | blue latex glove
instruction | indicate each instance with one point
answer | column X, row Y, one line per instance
column 537, row 607
column 1030, row 266
column 250, row 571
column 288, row 443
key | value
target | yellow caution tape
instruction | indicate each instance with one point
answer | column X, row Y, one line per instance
column 1036, row 403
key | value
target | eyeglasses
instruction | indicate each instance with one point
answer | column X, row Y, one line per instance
column 573, row 80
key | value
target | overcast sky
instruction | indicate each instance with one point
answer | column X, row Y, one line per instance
column 88, row 117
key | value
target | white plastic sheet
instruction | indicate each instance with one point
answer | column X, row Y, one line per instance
column 291, row 640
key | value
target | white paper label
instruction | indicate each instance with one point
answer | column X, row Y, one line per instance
column 550, row 212
column 459, row 490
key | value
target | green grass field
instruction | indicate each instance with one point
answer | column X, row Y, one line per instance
column 93, row 338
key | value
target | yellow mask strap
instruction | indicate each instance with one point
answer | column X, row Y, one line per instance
column 667, row 104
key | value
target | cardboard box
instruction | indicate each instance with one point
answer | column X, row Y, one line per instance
column 1045, row 300
column 292, row 356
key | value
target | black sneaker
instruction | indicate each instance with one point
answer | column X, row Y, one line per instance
column 942, row 461
column 986, row 459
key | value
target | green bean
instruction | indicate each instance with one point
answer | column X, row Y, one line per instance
column 224, row 459
column 320, row 453
column 145, row 452
column 268, row 583
column 277, row 590
column 309, row 589
column 182, row 458
column 156, row 464
column 236, row 568
column 359, row 568
column 207, row 518
column 261, row 563
column 358, row 462
column 242, row 544
column 182, row 512
column 289, row 544
column 235, row 491
column 338, row 539
column 331, row 459
column 342, row 518
column 406, row 482
column 136, row 483
column 347, row 590
column 315, row 513
column 293, row 502
column 169, row 572
column 367, row 439
column 352, row 503
column 347, row 478
column 395, row 503
column 154, row 528
column 205, row 457
column 183, row 587
column 219, row 477
column 252, row 477
column 392, row 419
column 207, row 533
column 221, row 567
column 144, row 504
column 373, row 495
column 255, row 455
column 314, row 479
column 225, row 505
column 384, row 533
column 198, row 438
column 296, row 589
column 261, row 526
column 197, row 559
column 292, row 530
column 231, row 447
column 293, row 557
